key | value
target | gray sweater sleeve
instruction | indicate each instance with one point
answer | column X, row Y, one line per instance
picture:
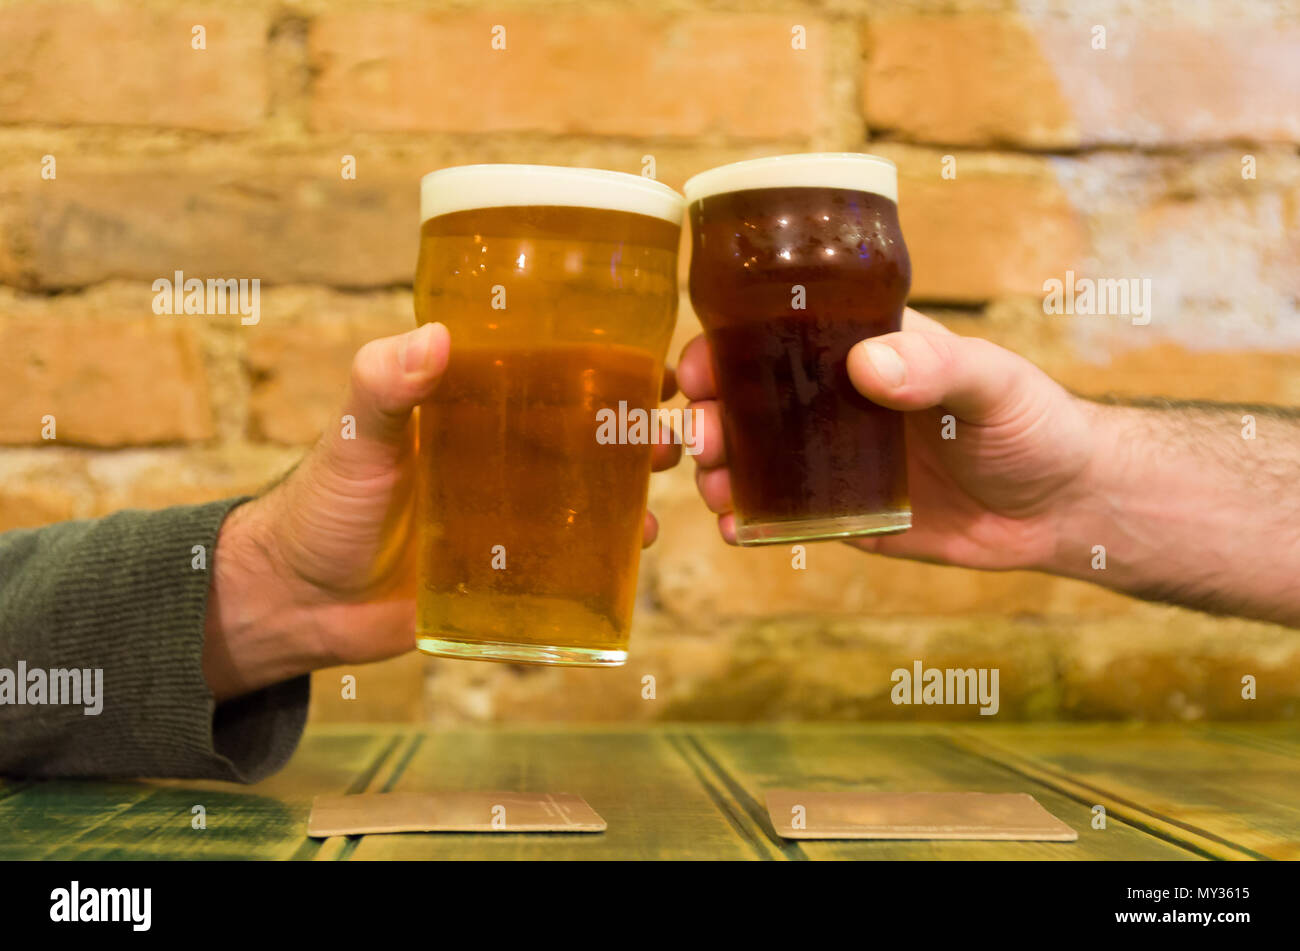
column 123, row 595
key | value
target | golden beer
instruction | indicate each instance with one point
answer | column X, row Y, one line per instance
column 559, row 288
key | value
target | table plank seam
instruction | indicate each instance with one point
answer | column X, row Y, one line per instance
column 1266, row 744
column 755, row 825
column 1194, row 839
column 142, row 795
column 313, row 848
column 738, row 821
column 352, row 842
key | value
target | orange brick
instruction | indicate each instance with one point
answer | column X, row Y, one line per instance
column 156, row 478
column 1168, row 664
column 120, row 382
column 1234, row 251
column 1118, row 358
column 1222, row 268
column 1170, row 370
column 33, row 505
column 986, row 233
column 391, row 691
column 691, row 74
column 967, row 80
column 283, row 217
column 978, row 80
column 1290, row 249
column 281, row 220
column 301, row 371
column 119, row 65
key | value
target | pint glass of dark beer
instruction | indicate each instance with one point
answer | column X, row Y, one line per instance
column 559, row 288
column 794, row 259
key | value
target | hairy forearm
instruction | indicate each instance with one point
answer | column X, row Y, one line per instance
column 1182, row 507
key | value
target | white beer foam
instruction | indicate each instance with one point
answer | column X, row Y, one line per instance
column 855, row 170
column 467, row 187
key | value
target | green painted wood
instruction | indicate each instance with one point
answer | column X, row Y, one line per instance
column 902, row 759
column 62, row 819
column 340, row 847
column 1278, row 737
column 653, row 800
column 1230, row 791
column 1237, row 790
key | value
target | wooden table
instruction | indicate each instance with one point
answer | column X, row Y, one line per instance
column 696, row 792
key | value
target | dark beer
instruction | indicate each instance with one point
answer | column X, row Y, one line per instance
column 559, row 289
column 794, row 260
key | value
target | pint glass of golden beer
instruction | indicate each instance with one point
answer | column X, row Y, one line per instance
column 559, row 288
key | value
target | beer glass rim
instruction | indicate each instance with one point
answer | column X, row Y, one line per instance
column 859, row 171
column 505, row 185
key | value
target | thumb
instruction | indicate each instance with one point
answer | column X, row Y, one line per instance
column 914, row 370
column 390, row 377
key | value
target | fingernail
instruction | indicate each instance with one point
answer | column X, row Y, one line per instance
column 889, row 366
column 415, row 349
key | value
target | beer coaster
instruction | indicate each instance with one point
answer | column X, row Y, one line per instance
column 933, row 815
column 371, row 813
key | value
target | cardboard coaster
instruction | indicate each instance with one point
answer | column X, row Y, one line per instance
column 938, row 815
column 456, row 811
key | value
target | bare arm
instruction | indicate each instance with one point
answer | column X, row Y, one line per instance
column 1185, row 509
column 1189, row 510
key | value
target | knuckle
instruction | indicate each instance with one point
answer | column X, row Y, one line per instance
column 366, row 361
column 939, row 352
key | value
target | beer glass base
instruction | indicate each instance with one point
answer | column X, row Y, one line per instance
column 520, row 653
column 822, row 529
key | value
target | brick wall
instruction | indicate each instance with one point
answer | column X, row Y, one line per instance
column 1122, row 161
